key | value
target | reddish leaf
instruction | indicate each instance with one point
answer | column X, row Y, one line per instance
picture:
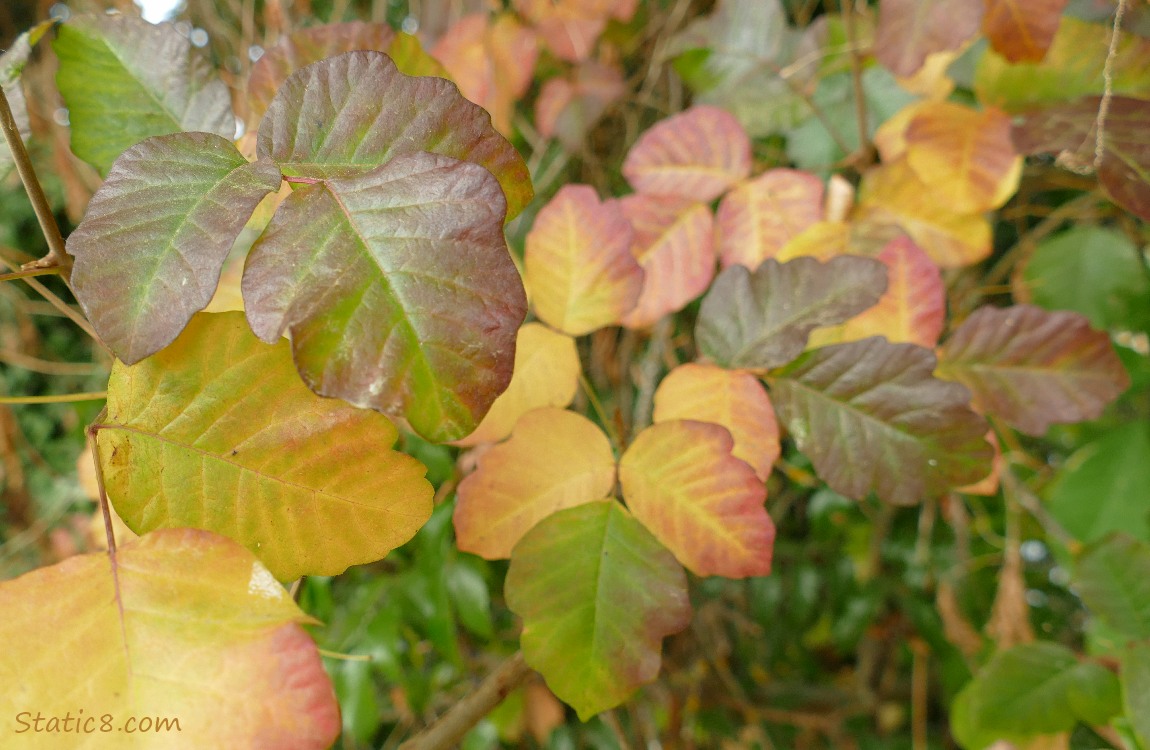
column 597, row 594
column 965, row 157
column 910, row 30
column 673, row 245
column 1021, row 30
column 349, row 114
column 546, row 374
column 872, row 418
column 697, row 154
column 913, row 308
column 762, row 320
column 578, row 262
column 759, row 217
column 555, row 459
column 156, row 234
column 397, row 289
column 735, row 400
column 1124, row 172
column 192, row 629
column 567, row 109
column 1034, row 368
column 572, row 27
column 706, row 506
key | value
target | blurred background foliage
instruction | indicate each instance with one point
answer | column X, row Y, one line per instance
column 874, row 618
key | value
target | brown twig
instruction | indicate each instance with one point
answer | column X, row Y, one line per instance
column 450, row 728
column 57, row 257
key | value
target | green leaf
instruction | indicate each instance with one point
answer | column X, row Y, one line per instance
column 151, row 247
column 1032, row 689
column 1094, row 271
column 397, row 288
column 217, row 432
column 872, row 418
column 1034, row 368
column 1136, row 690
column 349, row 114
column 597, row 594
column 124, row 80
column 1124, row 171
column 1105, row 486
column 12, row 64
column 761, row 320
column 1113, row 579
column 183, row 626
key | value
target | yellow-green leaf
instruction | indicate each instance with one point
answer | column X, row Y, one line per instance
column 191, row 637
column 218, row 432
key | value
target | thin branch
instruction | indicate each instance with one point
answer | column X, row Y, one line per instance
column 63, row 398
column 57, row 257
column 450, row 728
column 29, row 273
column 59, row 304
column 862, row 155
column 1107, row 87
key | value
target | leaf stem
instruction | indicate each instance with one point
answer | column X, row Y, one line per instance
column 62, row 398
column 57, row 256
column 59, row 304
column 450, row 728
column 302, row 180
column 28, row 273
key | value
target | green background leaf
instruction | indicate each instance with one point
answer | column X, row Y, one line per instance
column 398, row 291
column 124, row 80
column 217, row 432
column 597, row 594
column 1113, row 579
column 151, row 247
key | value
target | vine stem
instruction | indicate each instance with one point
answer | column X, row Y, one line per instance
column 450, row 728
column 57, row 256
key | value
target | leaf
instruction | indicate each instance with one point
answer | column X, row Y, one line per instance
column 546, row 373
column 1105, row 486
column 310, row 45
column 124, row 80
column 1073, row 68
column 1112, row 577
column 1022, row 30
column 822, row 241
column 567, row 109
column 555, row 459
column 1135, row 674
column 892, row 196
column 151, row 247
column 912, row 310
column 578, row 262
column 697, row 154
column 217, row 432
column 965, row 156
column 674, row 245
column 597, row 594
column 871, row 418
column 397, row 289
column 682, row 482
column 1036, row 688
column 349, row 114
column 1091, row 270
column 735, row 400
column 757, row 218
column 190, row 621
column 910, row 30
column 12, row 63
column 1034, row 368
column 1124, row 171
column 761, row 320
column 571, row 28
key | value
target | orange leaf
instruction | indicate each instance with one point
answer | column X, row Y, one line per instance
column 1022, row 30
column 914, row 306
column 674, row 245
column 697, row 154
column 706, row 506
column 578, row 262
column 193, row 629
column 546, row 374
column 555, row 459
column 966, row 157
column 759, row 217
column 893, row 196
column 729, row 398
